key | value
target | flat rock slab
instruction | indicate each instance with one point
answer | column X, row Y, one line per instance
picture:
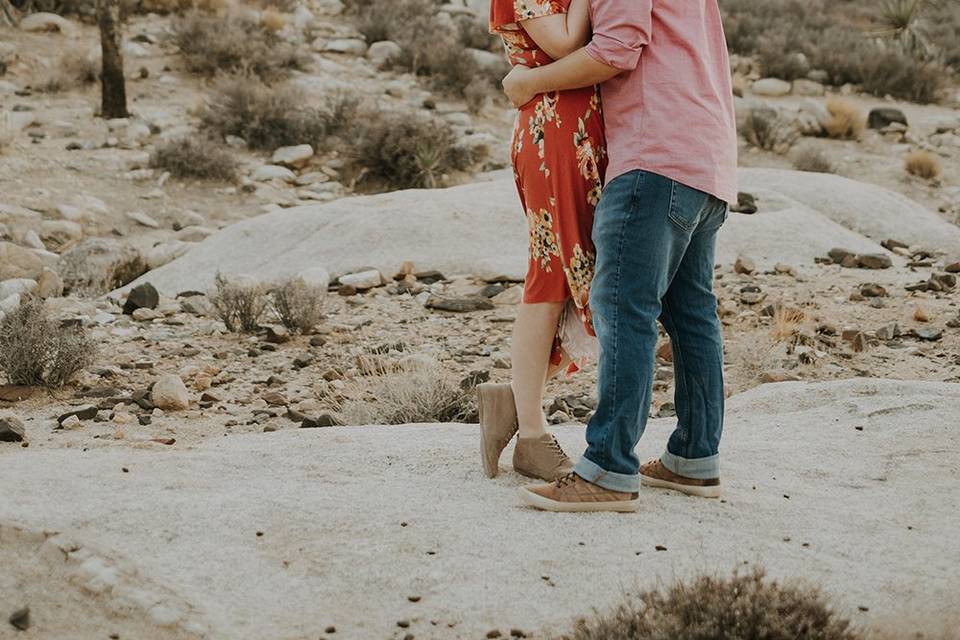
column 853, row 485
column 479, row 229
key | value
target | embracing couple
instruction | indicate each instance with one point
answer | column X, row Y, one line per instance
column 623, row 203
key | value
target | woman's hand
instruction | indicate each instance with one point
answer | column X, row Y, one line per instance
column 518, row 86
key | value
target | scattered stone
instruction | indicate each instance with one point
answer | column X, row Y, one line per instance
column 275, row 399
column 889, row 331
column 929, row 334
column 350, row 46
column 874, row 261
column 170, row 394
column 873, row 290
column 144, row 296
column 50, row 284
column 20, row 619
column 11, row 429
column 16, row 392
column 86, row 412
column 746, row 203
column 459, row 304
column 771, row 87
column 277, row 334
column 921, row 315
column 744, row 265
column 383, row 53
column 293, row 157
column 881, row 117
column 953, row 267
column 72, row 422
column 362, row 280
column 268, row 172
column 143, row 219
column 325, row 419
column 43, row 21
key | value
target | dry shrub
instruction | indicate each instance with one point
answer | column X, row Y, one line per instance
column 809, row 158
column 847, row 120
column 428, row 394
column 710, row 608
column 297, row 304
column 74, row 68
column 922, row 164
column 195, row 157
column 37, row 350
column 787, row 322
column 240, row 304
column 235, row 43
column 270, row 117
column 404, row 150
column 8, row 132
column 765, row 129
column 164, row 7
column 477, row 95
column 273, row 20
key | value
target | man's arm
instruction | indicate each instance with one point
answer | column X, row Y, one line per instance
column 621, row 28
column 577, row 70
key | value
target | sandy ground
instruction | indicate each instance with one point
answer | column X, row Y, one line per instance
column 347, row 526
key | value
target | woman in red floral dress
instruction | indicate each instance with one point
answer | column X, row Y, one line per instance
column 558, row 158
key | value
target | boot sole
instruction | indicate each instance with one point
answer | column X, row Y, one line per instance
column 700, row 492
column 544, row 504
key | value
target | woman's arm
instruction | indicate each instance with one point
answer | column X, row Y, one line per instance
column 561, row 34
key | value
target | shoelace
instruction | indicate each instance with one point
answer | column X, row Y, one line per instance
column 570, row 478
column 557, row 449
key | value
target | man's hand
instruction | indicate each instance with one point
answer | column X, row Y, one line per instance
column 518, row 86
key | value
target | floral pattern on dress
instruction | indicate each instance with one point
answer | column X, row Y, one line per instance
column 579, row 271
column 587, row 160
column 544, row 112
column 544, row 243
column 528, row 9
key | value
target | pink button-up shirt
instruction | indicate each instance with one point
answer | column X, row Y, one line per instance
column 671, row 110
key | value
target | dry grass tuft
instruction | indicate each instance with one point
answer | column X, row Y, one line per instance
column 234, row 43
column 74, row 68
column 8, row 133
column 270, row 117
column 193, row 157
column 238, row 303
column 922, row 164
column 709, row 608
column 37, row 350
column 787, row 322
column 809, row 158
column 297, row 304
column 847, row 120
column 765, row 129
column 273, row 20
column 413, row 396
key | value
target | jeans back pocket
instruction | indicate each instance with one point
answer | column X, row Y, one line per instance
column 687, row 206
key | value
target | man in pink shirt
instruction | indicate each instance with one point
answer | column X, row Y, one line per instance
column 671, row 139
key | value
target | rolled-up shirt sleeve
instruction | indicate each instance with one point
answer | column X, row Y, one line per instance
column 621, row 28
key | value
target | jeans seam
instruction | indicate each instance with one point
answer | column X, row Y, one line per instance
column 677, row 351
column 616, row 305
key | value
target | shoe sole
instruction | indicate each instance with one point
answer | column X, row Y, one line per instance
column 533, row 476
column 490, row 460
column 700, row 492
column 544, row 504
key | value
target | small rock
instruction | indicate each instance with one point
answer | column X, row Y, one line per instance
column 460, row 304
column 383, row 53
column 888, row 332
column 350, row 46
column 268, row 172
column 11, row 429
column 42, row 21
column 746, row 203
column 771, row 87
column 143, row 219
column 275, row 398
column 170, row 394
column 16, row 392
column 294, row 156
column 20, row 619
column 873, row 290
column 71, row 422
column 86, row 412
column 838, row 255
column 362, row 280
column 929, row 334
column 144, row 296
column 874, row 261
column 744, row 265
column 881, row 117
column 325, row 419
column 277, row 334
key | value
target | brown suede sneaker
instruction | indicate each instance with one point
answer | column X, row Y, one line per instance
column 498, row 423
column 573, row 493
column 654, row 474
column 541, row 458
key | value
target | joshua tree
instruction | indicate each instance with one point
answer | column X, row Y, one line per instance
column 113, row 89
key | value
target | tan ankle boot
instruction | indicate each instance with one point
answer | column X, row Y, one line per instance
column 498, row 423
column 541, row 458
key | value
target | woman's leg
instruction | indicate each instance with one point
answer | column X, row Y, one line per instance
column 533, row 334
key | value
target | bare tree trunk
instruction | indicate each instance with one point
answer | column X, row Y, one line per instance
column 114, row 93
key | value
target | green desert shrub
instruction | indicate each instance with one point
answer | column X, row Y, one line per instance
column 405, row 150
column 234, row 43
column 742, row 607
column 35, row 349
column 195, row 157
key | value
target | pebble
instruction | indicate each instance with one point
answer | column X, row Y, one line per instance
column 20, row 619
column 11, row 429
column 170, row 394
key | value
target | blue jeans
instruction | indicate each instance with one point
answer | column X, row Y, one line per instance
column 655, row 241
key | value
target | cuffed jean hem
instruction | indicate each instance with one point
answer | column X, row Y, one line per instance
column 697, row 468
column 592, row 472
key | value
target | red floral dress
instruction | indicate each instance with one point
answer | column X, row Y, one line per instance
column 559, row 158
